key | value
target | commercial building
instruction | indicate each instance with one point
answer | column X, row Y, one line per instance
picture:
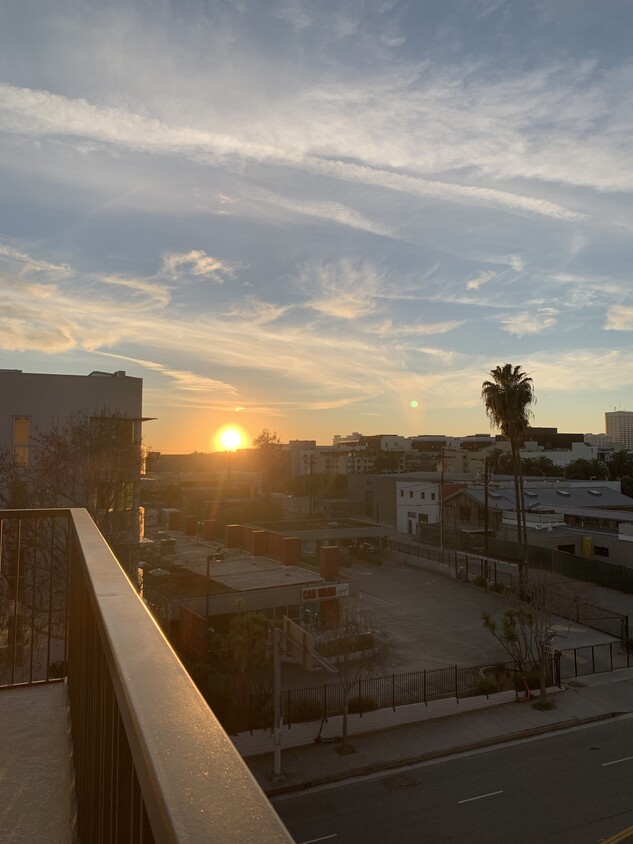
column 619, row 426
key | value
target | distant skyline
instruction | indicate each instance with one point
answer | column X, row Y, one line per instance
column 310, row 216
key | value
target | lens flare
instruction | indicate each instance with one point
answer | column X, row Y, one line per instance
column 414, row 403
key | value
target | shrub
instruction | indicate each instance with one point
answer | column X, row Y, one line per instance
column 361, row 703
column 304, row 710
column 485, row 685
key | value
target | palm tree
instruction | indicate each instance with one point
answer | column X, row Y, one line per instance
column 507, row 398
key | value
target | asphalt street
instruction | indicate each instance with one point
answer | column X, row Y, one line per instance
column 571, row 787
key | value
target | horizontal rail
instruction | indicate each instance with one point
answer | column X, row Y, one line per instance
column 152, row 762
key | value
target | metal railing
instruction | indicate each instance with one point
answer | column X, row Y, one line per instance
column 468, row 567
column 152, row 763
column 593, row 659
column 370, row 693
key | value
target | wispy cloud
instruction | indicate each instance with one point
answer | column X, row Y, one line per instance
column 620, row 318
column 482, row 278
column 198, row 263
column 529, row 323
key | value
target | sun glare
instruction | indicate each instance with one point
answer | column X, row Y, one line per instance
column 230, row 439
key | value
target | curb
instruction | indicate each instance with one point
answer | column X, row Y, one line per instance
column 338, row 776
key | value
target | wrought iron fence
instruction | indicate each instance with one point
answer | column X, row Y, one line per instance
column 371, row 693
column 593, row 659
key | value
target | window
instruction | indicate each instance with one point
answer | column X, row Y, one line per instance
column 600, row 551
column 422, row 495
column 432, row 496
column 410, row 493
column 464, row 514
column 21, row 434
column 401, row 493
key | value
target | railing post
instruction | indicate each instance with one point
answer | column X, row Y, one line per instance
column 575, row 663
column 424, row 688
column 393, row 692
column 456, row 689
column 593, row 660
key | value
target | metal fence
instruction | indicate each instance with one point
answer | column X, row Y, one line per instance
column 473, row 568
column 371, row 693
column 144, row 742
column 593, row 659
column 489, row 573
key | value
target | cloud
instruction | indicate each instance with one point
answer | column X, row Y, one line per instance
column 620, row 318
column 391, row 329
column 261, row 313
column 482, row 278
column 198, row 263
column 348, row 289
column 529, row 323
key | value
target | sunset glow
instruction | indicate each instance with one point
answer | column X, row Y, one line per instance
column 230, row 439
column 305, row 212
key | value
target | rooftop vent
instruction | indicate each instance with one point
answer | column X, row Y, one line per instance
column 563, row 492
column 531, row 494
column 495, row 495
column 594, row 492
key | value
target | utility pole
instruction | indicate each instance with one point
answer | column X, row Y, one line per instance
column 486, row 515
column 442, row 502
column 278, row 774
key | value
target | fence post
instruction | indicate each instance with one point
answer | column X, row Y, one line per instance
column 575, row 663
column 393, row 692
column 424, row 689
column 325, row 701
column 456, row 689
column 593, row 660
column 611, row 654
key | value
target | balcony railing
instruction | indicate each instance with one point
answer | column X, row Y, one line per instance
column 152, row 763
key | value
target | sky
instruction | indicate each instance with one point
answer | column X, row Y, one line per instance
column 320, row 217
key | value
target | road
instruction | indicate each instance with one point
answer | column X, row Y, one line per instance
column 575, row 787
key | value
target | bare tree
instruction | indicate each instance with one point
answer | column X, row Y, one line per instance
column 353, row 645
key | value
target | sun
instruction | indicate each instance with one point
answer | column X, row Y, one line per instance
column 230, row 439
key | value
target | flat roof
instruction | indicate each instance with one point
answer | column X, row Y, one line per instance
column 248, row 573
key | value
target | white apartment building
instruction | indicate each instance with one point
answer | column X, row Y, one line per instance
column 619, row 426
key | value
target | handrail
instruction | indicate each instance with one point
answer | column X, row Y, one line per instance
column 131, row 697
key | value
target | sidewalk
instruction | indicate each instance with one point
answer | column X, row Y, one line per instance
column 587, row 699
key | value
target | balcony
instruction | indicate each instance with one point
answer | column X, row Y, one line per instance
column 105, row 737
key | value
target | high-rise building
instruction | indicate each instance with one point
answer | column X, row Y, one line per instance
column 619, row 426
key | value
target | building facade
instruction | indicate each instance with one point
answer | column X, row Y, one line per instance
column 95, row 454
column 619, row 426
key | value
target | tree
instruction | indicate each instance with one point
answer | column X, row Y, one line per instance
column 507, row 399
column 248, row 654
column 525, row 628
column 91, row 461
column 353, row 645
column 620, row 465
column 540, row 466
column 266, row 438
column 586, row 470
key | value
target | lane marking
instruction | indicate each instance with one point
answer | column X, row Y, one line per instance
column 619, row 836
column 480, row 796
column 325, row 838
column 616, row 761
